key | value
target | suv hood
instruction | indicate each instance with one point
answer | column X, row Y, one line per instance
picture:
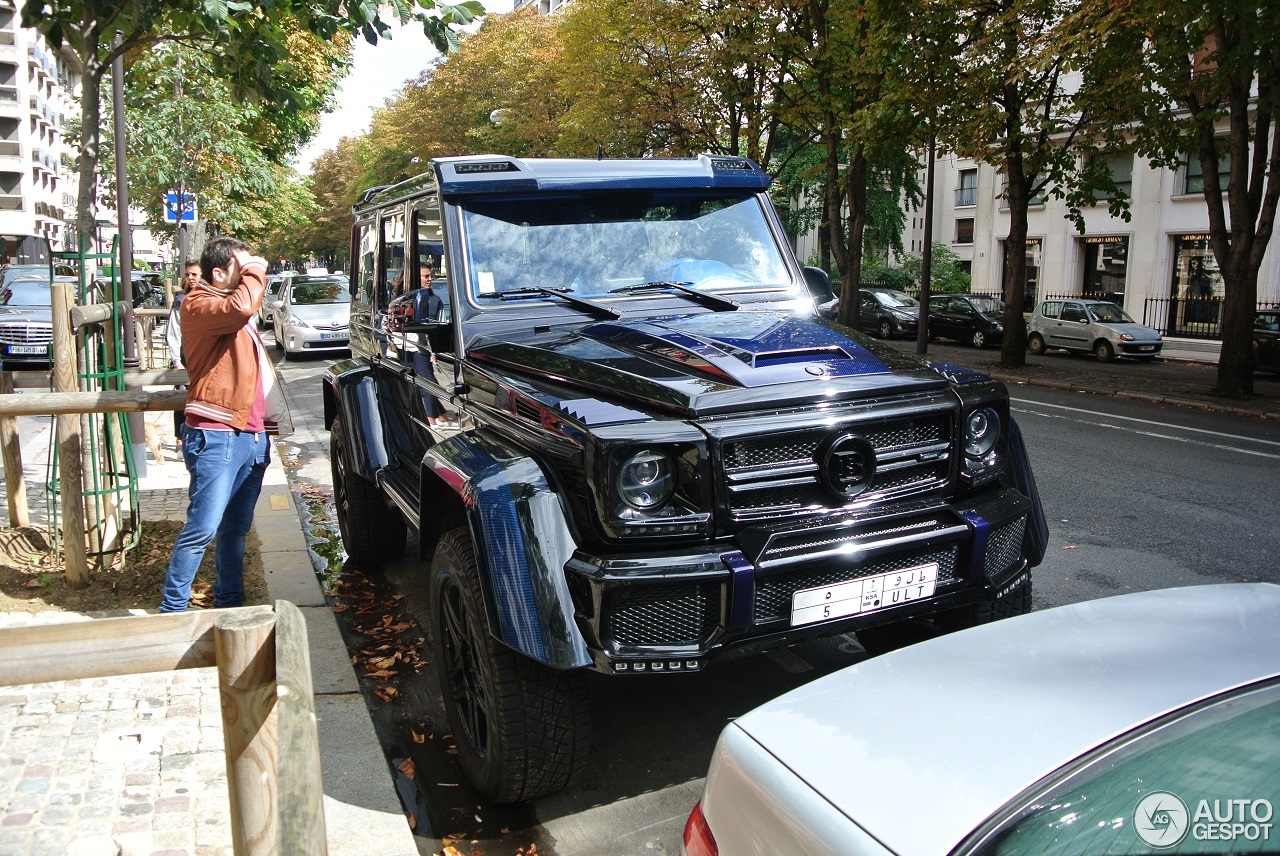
column 713, row 362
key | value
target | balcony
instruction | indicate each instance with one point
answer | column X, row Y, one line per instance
column 10, row 149
column 10, row 202
column 966, row 196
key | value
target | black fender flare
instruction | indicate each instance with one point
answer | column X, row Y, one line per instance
column 522, row 543
column 351, row 392
column 1036, row 540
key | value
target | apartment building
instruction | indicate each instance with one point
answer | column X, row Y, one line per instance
column 1158, row 264
column 37, row 185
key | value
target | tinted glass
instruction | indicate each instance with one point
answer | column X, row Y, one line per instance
column 987, row 305
column 594, row 243
column 1073, row 312
column 1217, row 765
column 319, row 291
column 896, row 299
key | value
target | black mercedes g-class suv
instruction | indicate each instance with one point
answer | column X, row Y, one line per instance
column 599, row 393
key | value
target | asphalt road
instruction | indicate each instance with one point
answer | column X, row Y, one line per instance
column 1138, row 496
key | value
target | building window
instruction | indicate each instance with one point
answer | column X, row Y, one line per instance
column 1034, row 254
column 964, row 230
column 1106, row 261
column 967, row 192
column 1195, row 175
column 1120, row 167
column 1196, row 291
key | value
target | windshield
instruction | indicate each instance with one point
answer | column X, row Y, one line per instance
column 595, row 243
column 1109, row 313
column 987, row 305
column 322, row 291
column 28, row 292
column 896, row 299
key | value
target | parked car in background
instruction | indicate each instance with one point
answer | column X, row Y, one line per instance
column 1266, row 340
column 889, row 312
column 8, row 273
column 1091, row 326
column 972, row 318
column 270, row 300
column 26, row 323
column 1107, row 726
column 313, row 315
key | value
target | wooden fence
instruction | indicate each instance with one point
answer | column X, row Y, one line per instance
column 268, row 709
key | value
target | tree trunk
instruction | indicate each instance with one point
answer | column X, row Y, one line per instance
column 856, row 199
column 1013, row 351
column 90, row 140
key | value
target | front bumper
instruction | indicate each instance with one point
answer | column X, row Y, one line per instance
column 1139, row 349
column 299, row 339
column 664, row 612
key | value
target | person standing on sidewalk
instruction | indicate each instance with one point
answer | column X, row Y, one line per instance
column 173, row 336
column 233, row 402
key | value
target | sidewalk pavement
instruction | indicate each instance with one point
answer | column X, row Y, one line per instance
column 135, row 765
column 1170, row 381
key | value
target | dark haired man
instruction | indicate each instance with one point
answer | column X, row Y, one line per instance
column 233, row 402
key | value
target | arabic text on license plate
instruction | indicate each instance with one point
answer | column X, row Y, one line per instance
column 865, row 595
column 326, row 336
column 28, row 349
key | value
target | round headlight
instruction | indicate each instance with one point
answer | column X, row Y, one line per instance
column 646, row 479
column 982, row 431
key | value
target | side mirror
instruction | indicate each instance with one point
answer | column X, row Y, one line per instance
column 419, row 311
column 819, row 284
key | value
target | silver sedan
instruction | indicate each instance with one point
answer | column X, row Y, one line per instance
column 313, row 316
column 1142, row 722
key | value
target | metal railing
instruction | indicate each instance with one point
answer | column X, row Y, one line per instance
column 1189, row 317
column 966, row 196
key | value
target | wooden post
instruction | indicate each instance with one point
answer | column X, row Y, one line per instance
column 246, row 682
column 70, row 465
column 301, row 789
column 14, row 482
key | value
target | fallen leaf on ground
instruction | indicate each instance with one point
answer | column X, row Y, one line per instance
column 1068, row 547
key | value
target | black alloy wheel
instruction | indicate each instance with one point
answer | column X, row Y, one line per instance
column 522, row 729
column 372, row 533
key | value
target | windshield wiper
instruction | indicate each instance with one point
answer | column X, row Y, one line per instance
column 714, row 301
column 588, row 306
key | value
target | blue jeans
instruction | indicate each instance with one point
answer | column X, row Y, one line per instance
column 226, row 477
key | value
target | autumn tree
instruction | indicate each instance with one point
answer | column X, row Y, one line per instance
column 335, row 188
column 249, row 41
column 1203, row 82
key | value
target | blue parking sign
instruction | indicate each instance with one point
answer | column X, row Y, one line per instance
column 171, row 208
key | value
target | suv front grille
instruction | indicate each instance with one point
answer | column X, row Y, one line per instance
column 26, row 334
column 773, row 593
column 777, row 474
column 678, row 614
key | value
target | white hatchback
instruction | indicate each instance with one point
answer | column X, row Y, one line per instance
column 1093, row 326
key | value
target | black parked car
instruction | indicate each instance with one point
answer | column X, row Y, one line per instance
column 26, row 323
column 1266, row 340
column 889, row 312
column 627, row 445
column 972, row 318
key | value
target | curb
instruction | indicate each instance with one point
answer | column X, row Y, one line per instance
column 1068, row 386
column 363, row 814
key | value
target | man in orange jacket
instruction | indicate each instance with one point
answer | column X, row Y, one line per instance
column 232, row 404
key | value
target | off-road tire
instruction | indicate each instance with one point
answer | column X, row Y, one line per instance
column 1016, row 602
column 1035, row 344
column 372, row 533
column 522, row 730
column 978, row 339
column 1103, row 350
column 886, row 330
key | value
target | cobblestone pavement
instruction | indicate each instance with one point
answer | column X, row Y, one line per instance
column 125, row 765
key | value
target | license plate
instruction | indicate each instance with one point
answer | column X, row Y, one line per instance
column 865, row 595
column 324, row 337
column 28, row 349
column 1147, row 348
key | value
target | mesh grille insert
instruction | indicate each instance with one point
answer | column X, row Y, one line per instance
column 680, row 614
column 1004, row 547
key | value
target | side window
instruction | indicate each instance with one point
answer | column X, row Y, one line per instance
column 391, row 272
column 366, row 241
column 937, row 304
column 961, row 307
column 1051, row 309
column 1073, row 312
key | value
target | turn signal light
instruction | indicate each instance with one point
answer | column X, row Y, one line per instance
column 698, row 840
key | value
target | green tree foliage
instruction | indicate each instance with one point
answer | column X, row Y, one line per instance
column 335, row 185
column 1203, row 82
column 250, row 42
column 946, row 277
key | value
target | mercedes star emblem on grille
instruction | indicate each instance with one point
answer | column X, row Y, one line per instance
column 846, row 464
